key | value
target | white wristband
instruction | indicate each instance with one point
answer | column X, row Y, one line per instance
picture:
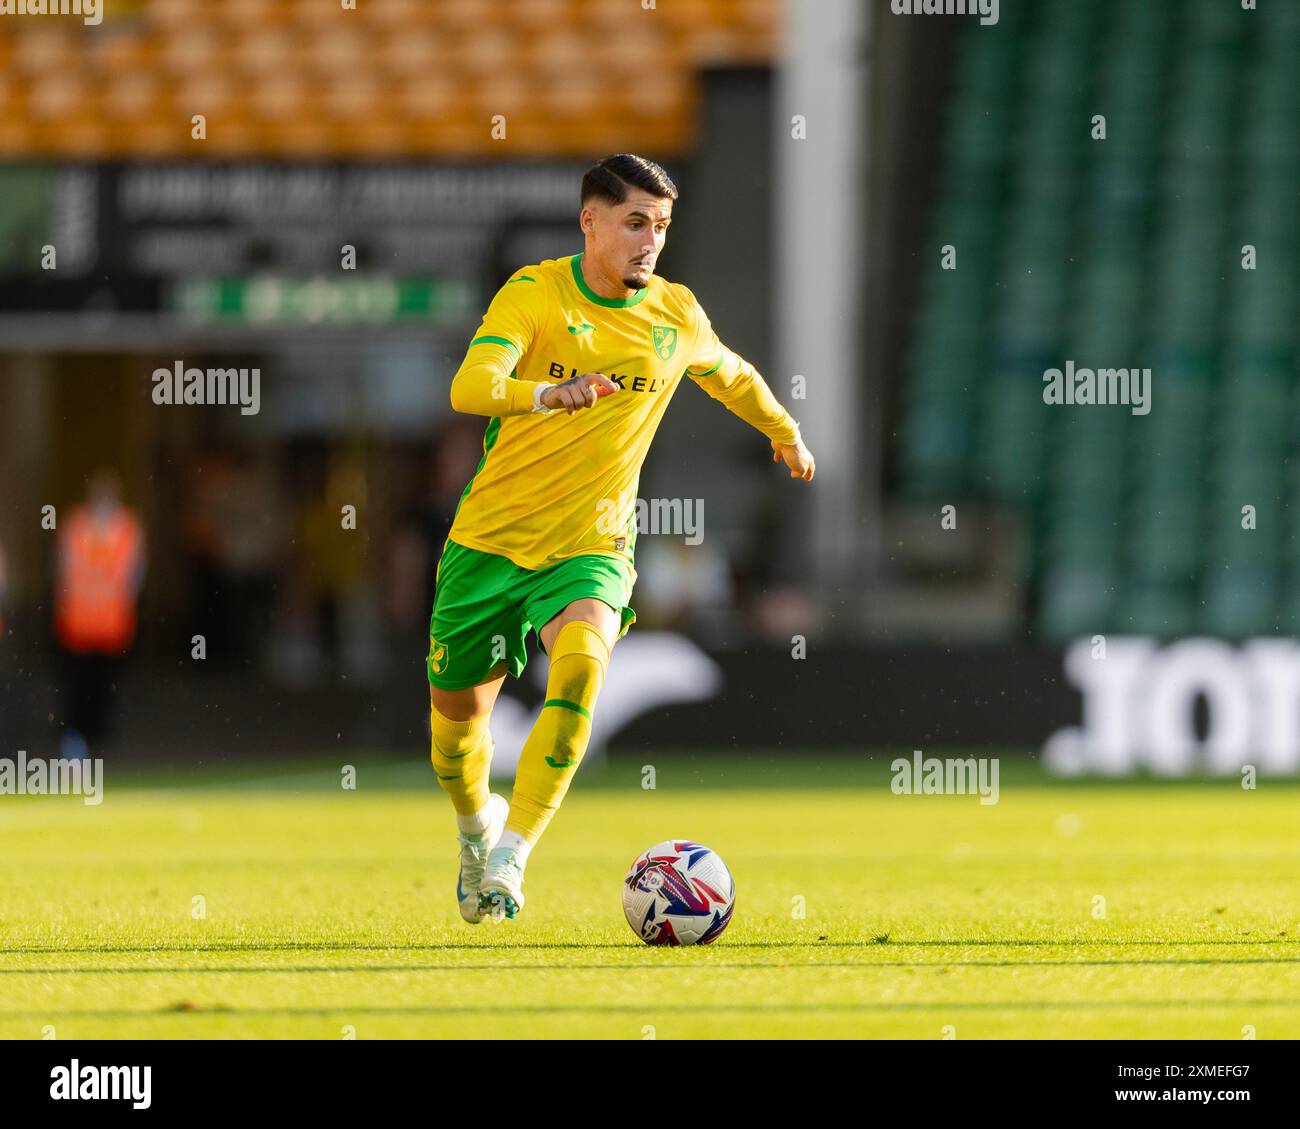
column 537, row 399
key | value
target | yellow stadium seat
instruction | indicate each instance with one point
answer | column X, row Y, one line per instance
column 339, row 51
column 354, row 98
column 276, row 97
column 192, row 50
column 424, row 76
column 267, row 50
column 413, row 52
column 45, row 49
column 130, row 95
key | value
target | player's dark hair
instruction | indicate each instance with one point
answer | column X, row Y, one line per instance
column 610, row 178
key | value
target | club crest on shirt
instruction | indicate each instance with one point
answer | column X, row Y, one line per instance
column 665, row 339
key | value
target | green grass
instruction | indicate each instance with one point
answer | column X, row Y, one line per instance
column 328, row 909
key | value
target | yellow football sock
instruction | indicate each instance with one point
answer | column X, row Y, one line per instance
column 462, row 755
column 579, row 659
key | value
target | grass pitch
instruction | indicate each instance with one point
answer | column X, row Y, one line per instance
column 327, row 913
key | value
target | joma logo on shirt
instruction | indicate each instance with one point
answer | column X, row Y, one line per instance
column 623, row 380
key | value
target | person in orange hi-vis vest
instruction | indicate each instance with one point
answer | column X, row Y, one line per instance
column 101, row 561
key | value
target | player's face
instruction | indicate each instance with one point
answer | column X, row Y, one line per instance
column 629, row 236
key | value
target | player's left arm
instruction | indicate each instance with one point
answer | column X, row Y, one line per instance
column 734, row 382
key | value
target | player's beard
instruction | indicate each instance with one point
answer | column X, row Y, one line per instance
column 633, row 283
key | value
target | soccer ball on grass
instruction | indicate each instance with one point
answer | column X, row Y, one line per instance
column 678, row 893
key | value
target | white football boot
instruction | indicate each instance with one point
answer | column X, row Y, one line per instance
column 474, row 851
column 501, row 893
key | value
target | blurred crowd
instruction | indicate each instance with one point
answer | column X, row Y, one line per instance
column 313, row 564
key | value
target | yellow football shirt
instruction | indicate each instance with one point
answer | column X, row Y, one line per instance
column 550, row 485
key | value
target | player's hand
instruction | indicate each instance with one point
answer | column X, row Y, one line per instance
column 797, row 457
column 581, row 391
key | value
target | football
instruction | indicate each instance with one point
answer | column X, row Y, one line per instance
column 678, row 893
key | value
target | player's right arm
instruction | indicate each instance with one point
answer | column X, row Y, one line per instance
column 485, row 384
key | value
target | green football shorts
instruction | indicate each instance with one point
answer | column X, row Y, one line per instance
column 485, row 605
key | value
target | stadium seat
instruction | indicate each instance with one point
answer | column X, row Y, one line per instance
column 1117, row 253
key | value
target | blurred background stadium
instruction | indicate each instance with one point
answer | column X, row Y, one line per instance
column 827, row 153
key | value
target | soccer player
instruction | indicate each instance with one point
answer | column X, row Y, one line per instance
column 575, row 362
